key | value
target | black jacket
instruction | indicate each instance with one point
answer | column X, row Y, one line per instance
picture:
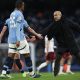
column 63, row 33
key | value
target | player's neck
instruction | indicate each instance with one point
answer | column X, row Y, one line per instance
column 19, row 10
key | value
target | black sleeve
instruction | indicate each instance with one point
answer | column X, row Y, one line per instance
column 49, row 35
column 46, row 31
column 73, row 25
column 50, row 32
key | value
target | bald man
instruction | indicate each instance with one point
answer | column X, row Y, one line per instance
column 62, row 30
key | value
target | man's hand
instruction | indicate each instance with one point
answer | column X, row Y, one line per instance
column 17, row 43
column 40, row 36
column 32, row 39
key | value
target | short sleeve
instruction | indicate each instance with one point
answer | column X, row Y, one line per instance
column 25, row 24
column 6, row 22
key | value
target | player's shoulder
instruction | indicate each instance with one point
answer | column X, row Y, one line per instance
column 15, row 13
column 25, row 21
column 7, row 20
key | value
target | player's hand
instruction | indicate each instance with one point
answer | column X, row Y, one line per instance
column 33, row 38
column 40, row 36
column 17, row 43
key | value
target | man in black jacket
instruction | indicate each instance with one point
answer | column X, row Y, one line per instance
column 62, row 30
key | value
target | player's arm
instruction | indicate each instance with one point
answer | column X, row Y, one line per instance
column 4, row 29
column 2, row 32
column 34, row 33
column 31, row 30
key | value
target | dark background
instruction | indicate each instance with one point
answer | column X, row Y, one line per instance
column 67, row 6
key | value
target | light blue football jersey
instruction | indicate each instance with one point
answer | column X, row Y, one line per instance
column 16, row 24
